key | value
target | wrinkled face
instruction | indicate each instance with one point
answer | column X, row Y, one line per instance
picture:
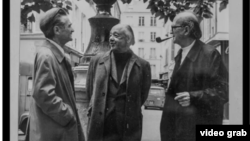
column 65, row 32
column 118, row 39
column 177, row 31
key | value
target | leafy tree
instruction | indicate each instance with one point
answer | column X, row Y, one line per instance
column 167, row 9
column 28, row 6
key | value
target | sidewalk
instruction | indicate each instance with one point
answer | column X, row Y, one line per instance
column 82, row 107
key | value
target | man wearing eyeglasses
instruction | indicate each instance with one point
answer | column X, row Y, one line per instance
column 53, row 112
column 198, row 87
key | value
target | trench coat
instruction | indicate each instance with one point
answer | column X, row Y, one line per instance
column 53, row 112
column 138, row 84
column 204, row 76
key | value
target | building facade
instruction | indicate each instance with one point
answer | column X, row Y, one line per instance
column 32, row 36
column 146, row 28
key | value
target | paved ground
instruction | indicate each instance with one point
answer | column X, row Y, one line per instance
column 151, row 124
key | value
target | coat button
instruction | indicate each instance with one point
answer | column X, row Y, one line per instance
column 103, row 94
column 100, row 113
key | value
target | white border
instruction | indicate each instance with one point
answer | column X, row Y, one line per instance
column 1, row 70
column 14, row 66
column 235, row 62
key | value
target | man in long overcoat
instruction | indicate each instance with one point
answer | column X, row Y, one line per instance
column 198, row 88
column 53, row 112
column 118, row 83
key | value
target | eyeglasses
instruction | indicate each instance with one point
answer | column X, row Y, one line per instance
column 173, row 27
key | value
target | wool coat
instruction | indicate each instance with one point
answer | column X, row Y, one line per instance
column 138, row 84
column 53, row 112
column 204, row 76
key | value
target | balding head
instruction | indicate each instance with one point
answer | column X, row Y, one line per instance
column 121, row 38
column 127, row 30
column 189, row 19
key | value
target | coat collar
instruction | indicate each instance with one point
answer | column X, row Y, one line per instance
column 133, row 60
column 193, row 53
column 106, row 59
column 59, row 55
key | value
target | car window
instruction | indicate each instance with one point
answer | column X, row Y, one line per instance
column 30, row 82
column 156, row 92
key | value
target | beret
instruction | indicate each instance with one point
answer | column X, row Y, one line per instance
column 48, row 18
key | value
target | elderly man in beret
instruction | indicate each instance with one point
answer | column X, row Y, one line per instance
column 53, row 112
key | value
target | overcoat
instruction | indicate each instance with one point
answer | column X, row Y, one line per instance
column 138, row 85
column 204, row 76
column 53, row 112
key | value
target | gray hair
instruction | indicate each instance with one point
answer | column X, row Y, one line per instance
column 130, row 34
column 192, row 22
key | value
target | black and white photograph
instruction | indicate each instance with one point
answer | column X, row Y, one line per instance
column 124, row 70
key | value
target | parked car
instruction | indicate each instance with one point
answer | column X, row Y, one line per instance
column 156, row 98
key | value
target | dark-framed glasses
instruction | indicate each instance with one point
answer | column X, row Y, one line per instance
column 173, row 27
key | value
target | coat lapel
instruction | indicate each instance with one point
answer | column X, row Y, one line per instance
column 106, row 61
column 130, row 64
column 59, row 55
column 124, row 74
column 113, row 67
column 192, row 54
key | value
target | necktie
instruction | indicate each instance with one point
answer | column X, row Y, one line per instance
column 178, row 60
column 177, row 65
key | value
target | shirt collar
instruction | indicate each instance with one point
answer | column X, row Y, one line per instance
column 186, row 49
column 56, row 44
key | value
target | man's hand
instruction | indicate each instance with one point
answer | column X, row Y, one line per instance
column 183, row 98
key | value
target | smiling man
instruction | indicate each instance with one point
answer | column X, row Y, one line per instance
column 118, row 83
column 198, row 88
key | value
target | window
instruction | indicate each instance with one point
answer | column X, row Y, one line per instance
column 141, row 35
column 27, row 28
column 157, row 92
column 153, row 21
column 82, row 49
column 141, row 52
column 152, row 53
column 166, row 61
column 141, row 21
column 153, row 71
column 130, row 20
column 30, row 84
column 82, row 32
column 172, row 50
column 152, row 36
column 75, row 42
